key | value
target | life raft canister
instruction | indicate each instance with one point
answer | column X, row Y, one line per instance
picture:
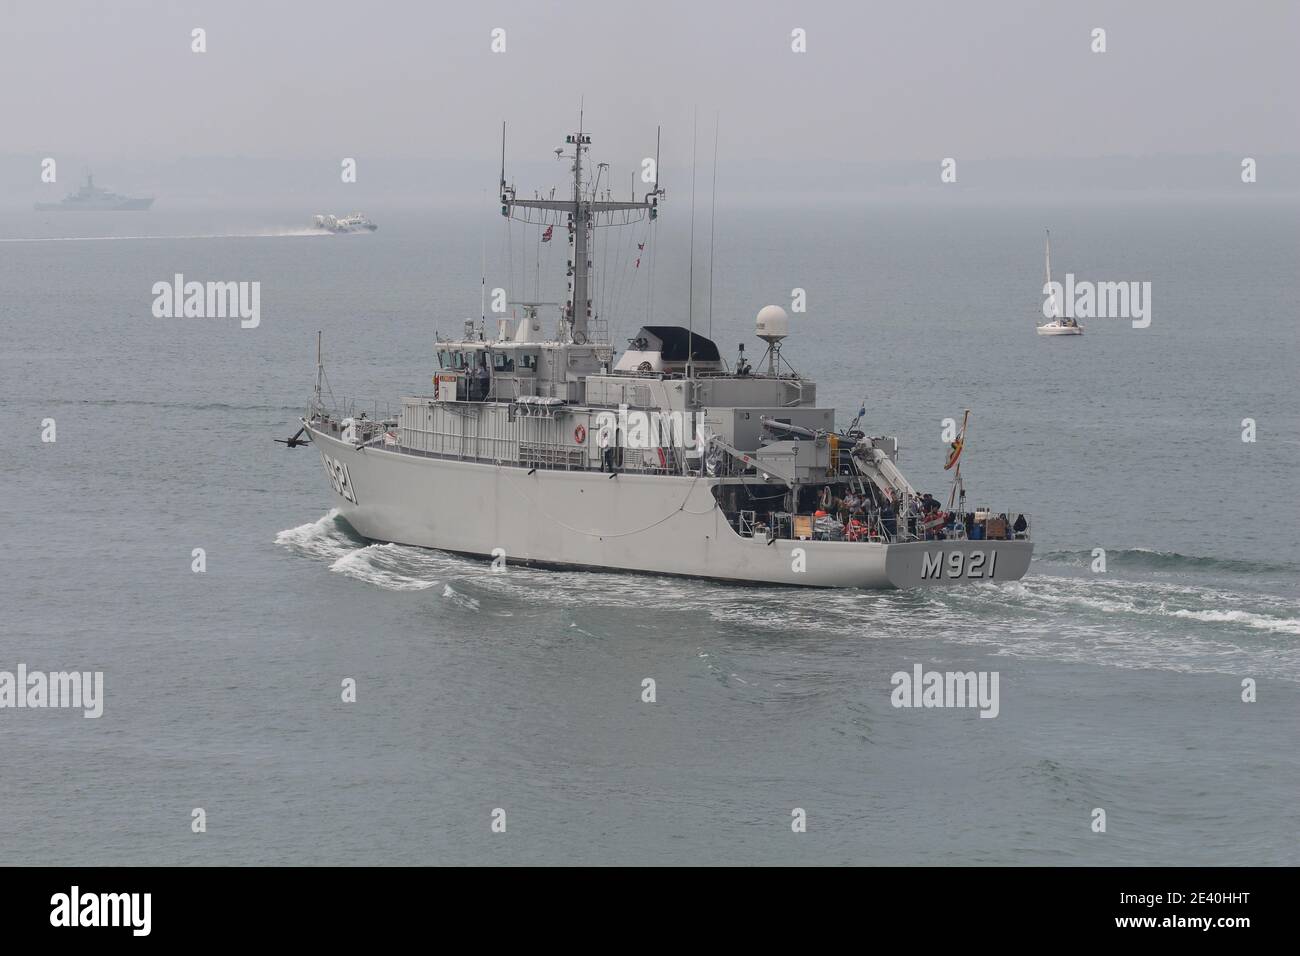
column 580, row 434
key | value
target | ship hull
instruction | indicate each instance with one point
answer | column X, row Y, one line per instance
column 641, row 523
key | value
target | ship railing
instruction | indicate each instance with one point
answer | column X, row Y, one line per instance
column 373, row 409
column 527, row 452
column 552, row 455
column 541, row 454
column 986, row 526
column 981, row 524
column 453, row 445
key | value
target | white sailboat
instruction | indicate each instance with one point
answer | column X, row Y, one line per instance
column 1058, row 325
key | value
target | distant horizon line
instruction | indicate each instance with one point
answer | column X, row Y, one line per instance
column 749, row 160
column 747, row 198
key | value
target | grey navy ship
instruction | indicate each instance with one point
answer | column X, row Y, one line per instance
column 91, row 198
column 553, row 450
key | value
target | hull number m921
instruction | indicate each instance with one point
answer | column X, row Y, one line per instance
column 936, row 565
column 340, row 480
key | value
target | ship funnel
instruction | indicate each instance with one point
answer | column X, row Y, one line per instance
column 772, row 324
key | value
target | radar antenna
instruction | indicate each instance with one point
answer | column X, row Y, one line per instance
column 580, row 215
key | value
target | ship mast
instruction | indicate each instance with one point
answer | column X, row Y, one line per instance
column 582, row 214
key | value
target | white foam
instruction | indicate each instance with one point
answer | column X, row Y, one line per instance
column 1261, row 621
column 321, row 538
column 464, row 600
column 373, row 564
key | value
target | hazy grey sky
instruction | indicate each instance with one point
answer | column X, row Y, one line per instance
column 879, row 81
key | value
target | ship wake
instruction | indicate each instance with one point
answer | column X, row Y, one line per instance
column 393, row 567
column 252, row 234
column 1179, row 625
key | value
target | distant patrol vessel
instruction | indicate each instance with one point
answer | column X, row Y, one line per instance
column 90, row 198
column 555, row 452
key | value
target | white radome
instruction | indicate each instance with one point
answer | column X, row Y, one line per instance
column 772, row 324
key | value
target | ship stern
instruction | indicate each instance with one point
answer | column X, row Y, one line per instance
column 916, row 564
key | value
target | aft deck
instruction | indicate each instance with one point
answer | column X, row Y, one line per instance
column 882, row 528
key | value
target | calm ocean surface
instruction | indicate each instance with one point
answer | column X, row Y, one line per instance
column 521, row 691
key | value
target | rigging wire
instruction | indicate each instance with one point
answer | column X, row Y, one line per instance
column 625, row 283
column 603, row 299
column 510, row 258
column 618, row 264
column 713, row 213
column 690, row 283
column 650, row 286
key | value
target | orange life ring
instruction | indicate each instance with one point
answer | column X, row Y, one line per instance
column 580, row 434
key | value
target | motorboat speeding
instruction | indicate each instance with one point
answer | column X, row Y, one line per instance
column 353, row 223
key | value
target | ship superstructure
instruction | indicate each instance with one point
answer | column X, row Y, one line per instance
column 554, row 450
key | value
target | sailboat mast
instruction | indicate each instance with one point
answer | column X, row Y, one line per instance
column 1048, row 257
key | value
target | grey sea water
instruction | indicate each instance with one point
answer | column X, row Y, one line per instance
column 522, row 691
